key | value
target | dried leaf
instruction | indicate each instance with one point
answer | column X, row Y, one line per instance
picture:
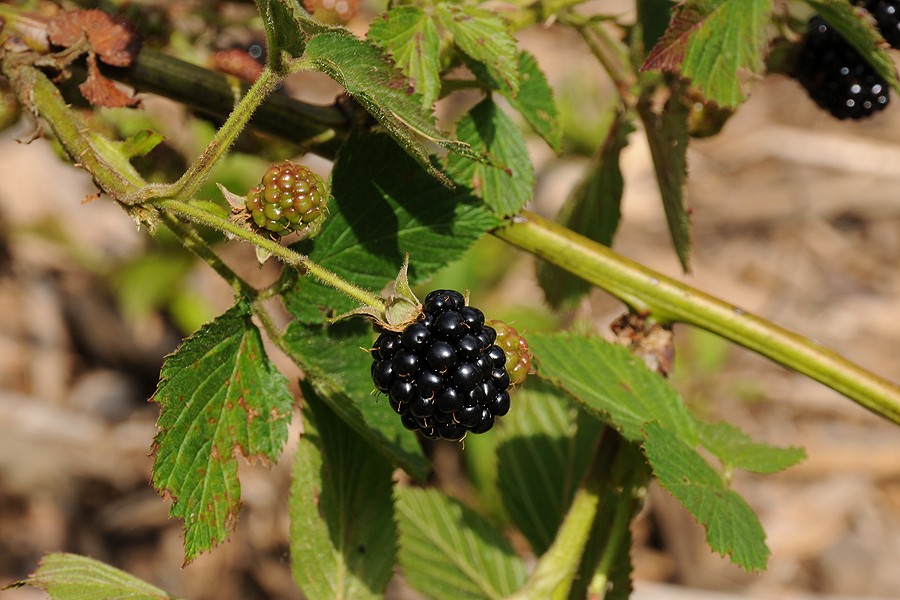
column 100, row 91
column 113, row 39
column 237, row 62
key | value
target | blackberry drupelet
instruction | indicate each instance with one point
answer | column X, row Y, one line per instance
column 289, row 198
column 836, row 76
column 443, row 374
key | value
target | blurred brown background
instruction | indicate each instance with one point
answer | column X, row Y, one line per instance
column 796, row 217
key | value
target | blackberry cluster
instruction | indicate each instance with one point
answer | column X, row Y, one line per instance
column 289, row 198
column 836, row 76
column 443, row 374
column 887, row 18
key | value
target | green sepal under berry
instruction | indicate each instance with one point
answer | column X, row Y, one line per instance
column 400, row 307
column 289, row 198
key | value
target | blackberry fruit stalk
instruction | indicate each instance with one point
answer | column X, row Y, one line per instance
column 289, row 198
column 443, row 373
column 836, row 76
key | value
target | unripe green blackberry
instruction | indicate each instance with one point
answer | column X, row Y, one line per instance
column 518, row 355
column 289, row 198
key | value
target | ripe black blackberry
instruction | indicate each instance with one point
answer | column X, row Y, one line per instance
column 443, row 374
column 887, row 17
column 836, row 76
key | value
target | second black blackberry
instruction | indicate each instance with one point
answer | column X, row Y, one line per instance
column 836, row 76
column 887, row 17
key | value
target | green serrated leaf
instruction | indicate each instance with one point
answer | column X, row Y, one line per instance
column 485, row 37
column 368, row 76
column 450, row 552
column 337, row 365
column 218, row 393
column 382, row 210
column 411, row 38
column 487, row 128
column 667, row 136
column 611, row 382
column 73, row 577
column 343, row 537
column 711, row 41
column 735, row 449
column 862, row 33
column 592, row 210
column 535, row 98
column 544, row 450
column 535, row 101
column 732, row 528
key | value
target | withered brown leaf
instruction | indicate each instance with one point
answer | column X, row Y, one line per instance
column 113, row 39
column 100, row 91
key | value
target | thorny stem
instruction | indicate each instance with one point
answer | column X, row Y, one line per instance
column 668, row 300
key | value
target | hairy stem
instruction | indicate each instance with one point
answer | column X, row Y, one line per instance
column 214, row 94
column 38, row 93
column 610, row 53
column 196, row 244
column 196, row 214
column 196, row 174
column 668, row 300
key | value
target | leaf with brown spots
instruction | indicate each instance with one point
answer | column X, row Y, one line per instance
column 100, row 91
column 113, row 39
column 218, row 393
column 711, row 42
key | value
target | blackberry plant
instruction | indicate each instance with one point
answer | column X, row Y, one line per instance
column 583, row 438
